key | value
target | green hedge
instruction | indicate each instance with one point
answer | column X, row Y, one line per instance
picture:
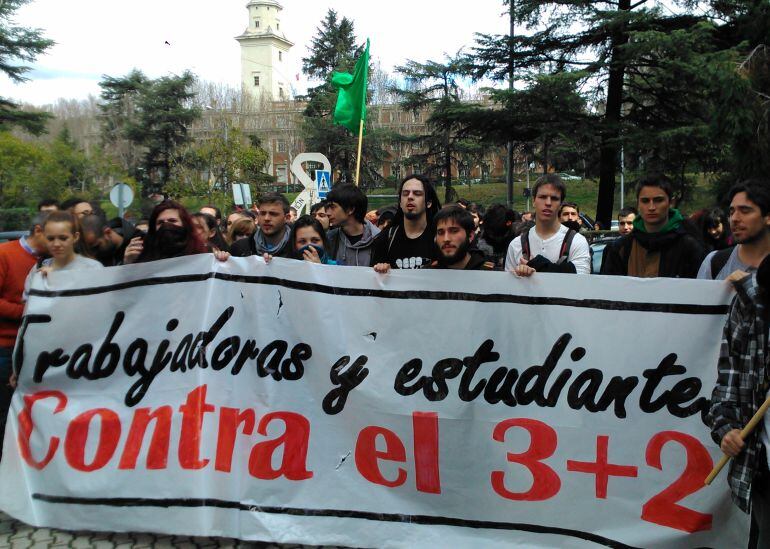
column 14, row 219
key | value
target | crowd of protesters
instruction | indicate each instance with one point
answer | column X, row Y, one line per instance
column 654, row 239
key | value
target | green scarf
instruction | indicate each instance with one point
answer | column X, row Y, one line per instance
column 675, row 218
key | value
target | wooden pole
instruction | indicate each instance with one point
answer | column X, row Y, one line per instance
column 750, row 426
column 358, row 156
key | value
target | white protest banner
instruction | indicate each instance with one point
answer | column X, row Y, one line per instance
column 316, row 404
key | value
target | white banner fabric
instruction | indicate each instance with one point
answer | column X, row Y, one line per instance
column 314, row 404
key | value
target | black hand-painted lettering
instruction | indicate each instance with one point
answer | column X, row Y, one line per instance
column 293, row 368
column 225, row 352
column 407, row 373
column 345, row 381
column 269, row 360
column 531, row 385
column 482, row 355
column 18, row 353
column 526, row 394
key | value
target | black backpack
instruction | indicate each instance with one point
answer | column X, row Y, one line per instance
column 719, row 260
column 565, row 245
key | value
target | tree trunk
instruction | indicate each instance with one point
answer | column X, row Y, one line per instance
column 509, row 145
column 448, row 195
column 609, row 149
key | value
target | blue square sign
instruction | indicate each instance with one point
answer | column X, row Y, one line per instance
column 323, row 182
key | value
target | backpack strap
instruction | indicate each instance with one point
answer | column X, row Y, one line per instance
column 566, row 244
column 719, row 260
column 525, row 244
column 334, row 243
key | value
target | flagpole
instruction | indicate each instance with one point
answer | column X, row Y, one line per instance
column 358, row 156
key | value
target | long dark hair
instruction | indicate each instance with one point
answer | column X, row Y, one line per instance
column 430, row 196
column 217, row 241
column 152, row 251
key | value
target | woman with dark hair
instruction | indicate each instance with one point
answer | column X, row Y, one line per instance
column 208, row 231
column 171, row 233
column 716, row 231
column 309, row 242
column 497, row 234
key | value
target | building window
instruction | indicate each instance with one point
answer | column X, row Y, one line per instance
column 280, row 174
column 277, row 26
column 280, row 93
column 256, row 80
column 256, row 23
column 280, row 145
column 280, row 56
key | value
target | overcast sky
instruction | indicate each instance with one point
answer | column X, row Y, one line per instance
column 97, row 37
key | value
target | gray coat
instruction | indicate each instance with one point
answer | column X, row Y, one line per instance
column 352, row 255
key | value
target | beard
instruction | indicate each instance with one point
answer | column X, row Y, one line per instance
column 456, row 257
column 750, row 239
column 413, row 216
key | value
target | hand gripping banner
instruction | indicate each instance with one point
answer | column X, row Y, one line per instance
column 314, row 404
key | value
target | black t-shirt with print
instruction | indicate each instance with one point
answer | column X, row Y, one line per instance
column 394, row 247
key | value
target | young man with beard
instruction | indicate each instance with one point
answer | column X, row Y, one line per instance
column 660, row 244
column 272, row 237
column 106, row 241
column 741, row 388
column 569, row 214
column 549, row 246
column 409, row 241
column 455, row 232
column 750, row 226
column 352, row 235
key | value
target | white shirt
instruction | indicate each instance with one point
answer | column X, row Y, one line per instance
column 79, row 262
column 579, row 252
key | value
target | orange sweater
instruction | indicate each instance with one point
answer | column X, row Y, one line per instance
column 15, row 264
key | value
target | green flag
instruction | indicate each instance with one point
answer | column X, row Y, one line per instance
column 351, row 100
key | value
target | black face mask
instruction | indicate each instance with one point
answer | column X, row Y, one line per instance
column 574, row 225
column 171, row 240
column 300, row 253
column 105, row 257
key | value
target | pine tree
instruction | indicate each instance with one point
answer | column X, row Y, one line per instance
column 335, row 48
column 432, row 86
column 118, row 112
column 590, row 37
column 19, row 44
column 146, row 121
